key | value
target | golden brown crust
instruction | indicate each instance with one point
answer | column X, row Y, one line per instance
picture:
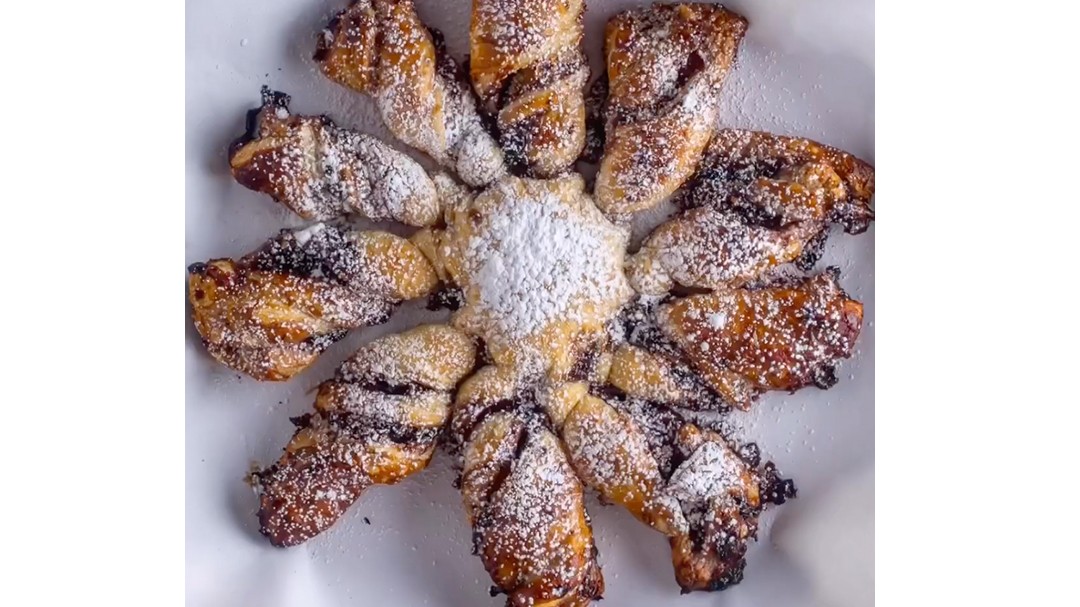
column 711, row 249
column 665, row 66
column 612, row 457
column 744, row 342
column 648, row 375
column 382, row 49
column 523, row 499
column 758, row 201
column 268, row 325
column 321, row 171
column 271, row 313
column 688, row 483
column 529, row 70
column 376, row 422
column 783, row 180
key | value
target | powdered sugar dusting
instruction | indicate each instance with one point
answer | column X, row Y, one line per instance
column 666, row 64
column 529, row 69
column 534, row 503
column 381, row 48
column 779, row 338
column 362, row 432
column 710, row 471
column 708, row 248
column 535, row 259
column 322, row 171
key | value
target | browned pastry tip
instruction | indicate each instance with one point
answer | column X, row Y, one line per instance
column 322, row 171
column 744, row 342
column 381, row 48
column 758, row 201
column 529, row 69
column 612, row 456
column 722, row 494
column 271, row 313
column 780, row 180
column 530, row 528
column 325, row 468
column 346, row 48
column 376, row 422
column 665, row 65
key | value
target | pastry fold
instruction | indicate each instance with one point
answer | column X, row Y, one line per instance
column 529, row 69
column 271, row 313
column 665, row 66
column 376, row 422
column 689, row 483
column 743, row 342
column 778, row 180
column 522, row 498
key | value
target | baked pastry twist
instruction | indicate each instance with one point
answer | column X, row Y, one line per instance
column 272, row 312
column 525, row 504
column 376, row 422
column 776, row 180
column 661, row 374
column 322, row 171
column 382, row 49
column 688, row 483
column 743, row 342
column 529, row 69
column 757, row 201
column 710, row 249
column 665, row 66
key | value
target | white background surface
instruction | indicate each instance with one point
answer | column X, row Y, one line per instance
column 805, row 68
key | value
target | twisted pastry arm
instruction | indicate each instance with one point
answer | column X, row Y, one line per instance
column 722, row 493
column 272, row 312
column 322, row 171
column 665, row 66
column 743, row 342
column 529, row 69
column 690, row 484
column 780, row 180
column 438, row 244
column 522, row 498
column 710, row 249
column 376, row 422
column 382, row 49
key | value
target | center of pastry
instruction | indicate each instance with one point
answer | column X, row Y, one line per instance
column 543, row 271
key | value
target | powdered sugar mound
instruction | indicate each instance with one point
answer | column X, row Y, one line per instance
column 536, row 261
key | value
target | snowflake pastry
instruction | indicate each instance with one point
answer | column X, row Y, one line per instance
column 568, row 364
